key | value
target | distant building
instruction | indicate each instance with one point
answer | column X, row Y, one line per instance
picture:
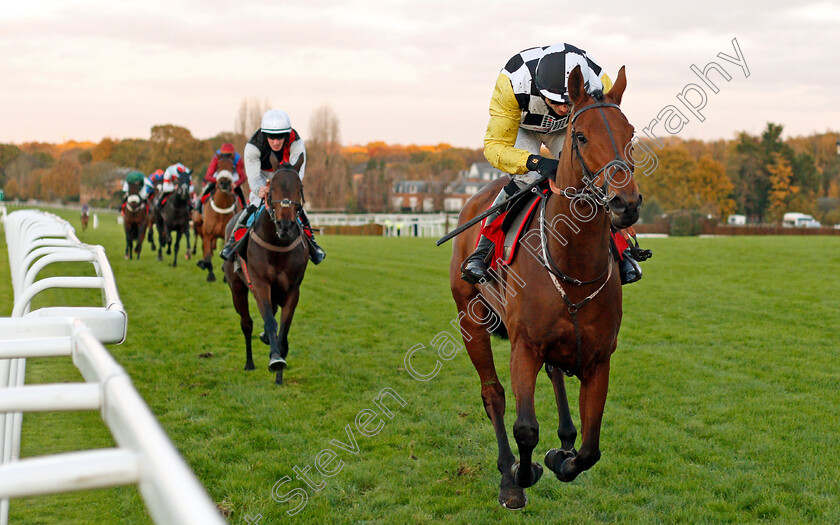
column 468, row 183
column 413, row 196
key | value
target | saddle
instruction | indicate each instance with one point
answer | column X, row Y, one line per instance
column 506, row 230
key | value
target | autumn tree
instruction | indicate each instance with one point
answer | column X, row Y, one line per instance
column 173, row 144
column 781, row 189
column 62, row 181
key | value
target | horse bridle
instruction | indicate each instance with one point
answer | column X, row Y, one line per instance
column 598, row 194
column 284, row 203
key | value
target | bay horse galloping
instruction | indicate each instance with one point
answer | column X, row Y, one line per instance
column 560, row 304
column 218, row 211
column 273, row 268
column 85, row 217
column 174, row 216
column 135, row 220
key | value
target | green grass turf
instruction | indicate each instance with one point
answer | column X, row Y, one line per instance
column 723, row 404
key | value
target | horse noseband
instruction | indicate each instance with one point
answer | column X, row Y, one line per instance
column 287, row 203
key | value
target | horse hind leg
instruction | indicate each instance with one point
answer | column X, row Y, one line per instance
column 566, row 428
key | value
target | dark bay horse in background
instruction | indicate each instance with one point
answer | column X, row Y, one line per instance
column 219, row 209
column 174, row 216
column 135, row 220
column 85, row 218
column 563, row 308
column 276, row 260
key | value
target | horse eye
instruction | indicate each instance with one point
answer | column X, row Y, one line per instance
column 581, row 137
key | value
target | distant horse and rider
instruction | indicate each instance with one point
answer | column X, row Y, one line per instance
column 85, row 218
column 272, row 265
column 222, row 193
column 172, row 213
column 561, row 305
column 135, row 215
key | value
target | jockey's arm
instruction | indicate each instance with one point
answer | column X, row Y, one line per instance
column 253, row 170
column 502, row 130
column 210, row 176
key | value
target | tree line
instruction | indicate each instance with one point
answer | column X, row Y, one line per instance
column 759, row 176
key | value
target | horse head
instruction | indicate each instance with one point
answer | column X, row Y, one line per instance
column 601, row 139
column 224, row 181
column 133, row 201
column 183, row 185
column 285, row 200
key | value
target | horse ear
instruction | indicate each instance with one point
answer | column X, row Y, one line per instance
column 299, row 163
column 275, row 164
column 577, row 90
column 618, row 88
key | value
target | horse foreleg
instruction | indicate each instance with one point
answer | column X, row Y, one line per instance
column 593, row 397
column 127, row 244
column 175, row 248
column 263, row 296
column 141, row 236
column 161, row 241
column 187, row 234
column 239, row 291
column 286, row 315
column 477, row 343
column 565, row 428
column 524, row 367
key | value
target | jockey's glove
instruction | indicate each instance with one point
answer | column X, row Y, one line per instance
column 545, row 167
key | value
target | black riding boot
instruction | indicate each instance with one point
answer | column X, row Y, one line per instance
column 233, row 246
column 316, row 253
column 474, row 268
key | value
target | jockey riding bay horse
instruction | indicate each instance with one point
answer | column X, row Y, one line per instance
column 563, row 308
column 135, row 220
column 275, row 261
column 218, row 211
column 173, row 215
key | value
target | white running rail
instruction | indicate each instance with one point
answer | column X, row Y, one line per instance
column 144, row 456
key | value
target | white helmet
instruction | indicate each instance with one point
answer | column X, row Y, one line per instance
column 275, row 122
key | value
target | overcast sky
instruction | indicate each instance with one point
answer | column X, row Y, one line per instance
column 400, row 71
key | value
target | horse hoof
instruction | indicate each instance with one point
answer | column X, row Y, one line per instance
column 276, row 364
column 556, row 458
column 513, row 498
column 200, row 264
column 264, row 338
column 126, row 257
column 250, row 366
column 187, row 256
column 536, row 474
